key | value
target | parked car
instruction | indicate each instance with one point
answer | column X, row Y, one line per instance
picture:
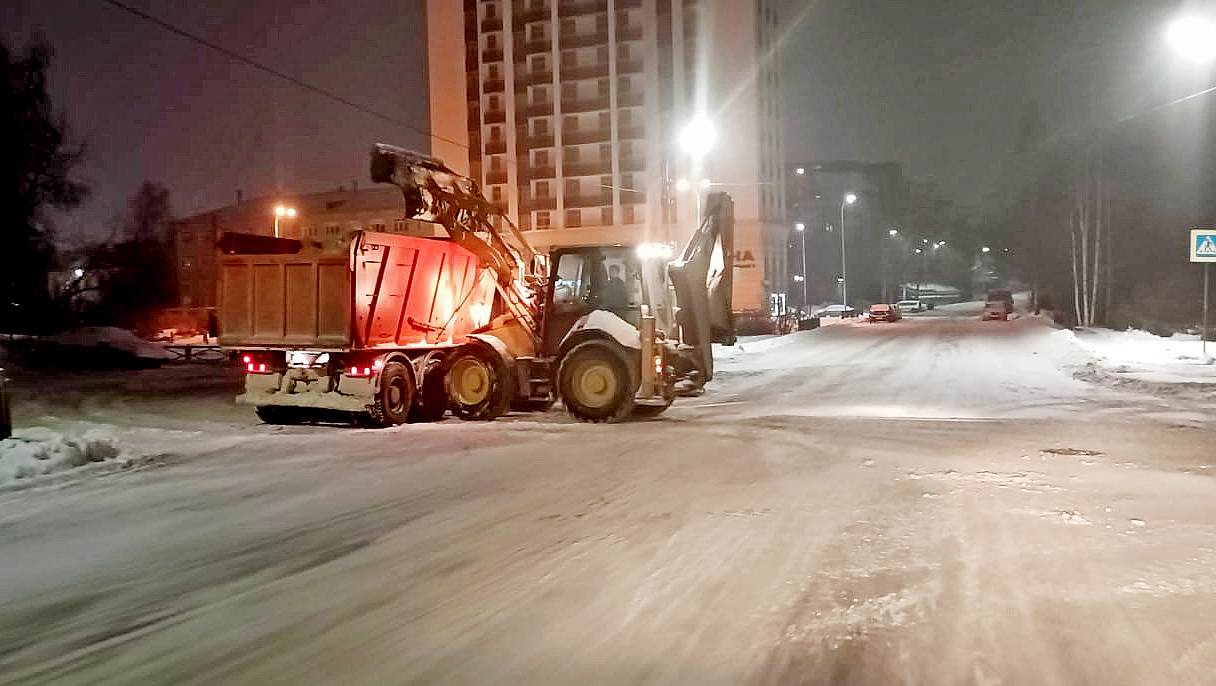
column 909, row 306
column 996, row 309
column 836, row 311
column 884, row 312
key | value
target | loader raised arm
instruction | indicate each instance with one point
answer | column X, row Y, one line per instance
column 433, row 192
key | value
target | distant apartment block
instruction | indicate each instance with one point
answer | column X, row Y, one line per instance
column 569, row 112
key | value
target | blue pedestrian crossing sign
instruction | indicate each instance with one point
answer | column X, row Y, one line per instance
column 1203, row 245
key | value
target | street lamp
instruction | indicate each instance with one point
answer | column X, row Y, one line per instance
column 279, row 212
column 698, row 137
column 985, row 249
column 1191, row 36
column 849, row 199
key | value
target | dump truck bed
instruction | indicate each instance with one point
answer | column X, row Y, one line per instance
column 387, row 291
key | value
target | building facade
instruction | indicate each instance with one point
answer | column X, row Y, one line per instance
column 322, row 219
column 569, row 113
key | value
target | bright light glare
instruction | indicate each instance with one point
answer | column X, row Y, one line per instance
column 799, row 226
column 939, row 244
column 850, row 198
column 79, row 272
column 919, row 251
column 652, row 250
column 291, row 211
column 698, row 137
column 280, row 210
column 704, row 183
column 892, row 232
column 1193, row 37
column 985, row 249
column 798, row 278
column 800, row 171
column 682, row 185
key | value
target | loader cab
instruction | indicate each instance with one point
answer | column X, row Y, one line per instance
column 584, row 279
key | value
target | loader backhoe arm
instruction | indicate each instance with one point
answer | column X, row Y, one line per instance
column 432, row 192
column 703, row 280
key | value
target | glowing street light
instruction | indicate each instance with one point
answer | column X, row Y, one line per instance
column 985, row 249
column 281, row 211
column 704, row 184
column 799, row 226
column 800, row 171
column 1193, row 37
column 892, row 232
column 849, row 199
column 682, row 185
column 698, row 136
column 78, row 272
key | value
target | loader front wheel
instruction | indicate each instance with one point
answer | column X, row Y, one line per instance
column 477, row 384
column 395, row 396
column 595, row 382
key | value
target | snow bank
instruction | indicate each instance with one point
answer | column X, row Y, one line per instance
column 1148, row 357
column 118, row 339
column 37, row 451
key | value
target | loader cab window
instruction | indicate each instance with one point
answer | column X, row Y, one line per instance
column 599, row 279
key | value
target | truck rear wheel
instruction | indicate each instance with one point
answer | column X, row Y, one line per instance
column 431, row 400
column 595, row 381
column 277, row 414
column 395, row 397
column 477, row 384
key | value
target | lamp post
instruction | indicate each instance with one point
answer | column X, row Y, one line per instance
column 695, row 140
column 893, row 233
column 279, row 212
column 849, row 199
column 801, row 229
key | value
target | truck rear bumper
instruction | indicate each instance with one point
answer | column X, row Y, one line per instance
column 293, row 389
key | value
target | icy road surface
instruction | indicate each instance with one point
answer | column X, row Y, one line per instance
column 937, row 501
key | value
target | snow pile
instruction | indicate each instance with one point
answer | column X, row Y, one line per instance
column 1148, row 357
column 112, row 337
column 37, row 451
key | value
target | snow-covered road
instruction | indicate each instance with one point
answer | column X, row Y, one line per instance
column 938, row 501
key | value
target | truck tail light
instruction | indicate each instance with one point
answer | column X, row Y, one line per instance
column 360, row 371
column 658, row 365
column 257, row 368
column 256, row 363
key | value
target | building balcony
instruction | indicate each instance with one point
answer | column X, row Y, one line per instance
column 627, row 4
column 531, row 14
column 531, row 46
column 595, row 71
column 535, row 110
column 547, row 172
column 582, row 137
column 495, row 116
column 629, row 197
column 590, row 200
column 535, row 77
column 493, row 86
column 629, row 66
column 629, row 133
column 532, row 142
column 632, row 164
column 491, row 24
column 533, row 204
column 494, row 55
column 496, row 147
column 624, row 33
column 585, row 40
column 585, row 105
column 576, row 8
column 496, row 177
column 592, row 168
column 629, row 99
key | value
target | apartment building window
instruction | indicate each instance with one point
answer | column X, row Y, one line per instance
column 540, row 95
column 496, row 133
column 622, row 52
column 570, row 153
column 574, row 218
column 496, row 164
column 494, row 72
column 605, row 152
column 606, row 216
column 627, row 214
column 541, row 127
column 605, row 184
column 491, row 10
column 571, row 188
column 378, row 227
column 625, row 85
column 542, row 189
column 495, row 103
column 399, row 225
column 601, row 53
column 626, row 150
column 542, row 220
column 536, row 32
column 570, row 123
column 538, row 63
column 496, row 194
column 569, row 59
column 492, row 41
column 627, row 182
column 569, row 27
column 569, row 91
column 605, row 121
column 540, row 158
column 601, row 87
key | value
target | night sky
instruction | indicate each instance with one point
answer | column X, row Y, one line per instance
column 937, row 84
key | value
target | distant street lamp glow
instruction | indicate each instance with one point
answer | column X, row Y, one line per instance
column 78, row 272
column 892, row 232
column 698, row 137
column 799, row 226
column 798, row 278
column 850, row 198
column 704, row 183
column 682, row 185
column 985, row 249
column 1193, row 37
column 800, row 171
column 281, row 211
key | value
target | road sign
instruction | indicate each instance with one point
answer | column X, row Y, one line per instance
column 1203, row 245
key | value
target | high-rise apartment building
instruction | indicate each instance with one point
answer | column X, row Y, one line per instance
column 569, row 113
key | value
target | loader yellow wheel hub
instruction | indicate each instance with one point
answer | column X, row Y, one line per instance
column 470, row 381
column 594, row 383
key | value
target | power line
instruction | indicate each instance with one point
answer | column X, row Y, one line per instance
column 274, row 72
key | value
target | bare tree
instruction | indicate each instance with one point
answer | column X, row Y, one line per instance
column 1088, row 229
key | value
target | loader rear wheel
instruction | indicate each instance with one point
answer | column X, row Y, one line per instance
column 477, row 384
column 395, row 396
column 431, row 400
column 596, row 382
